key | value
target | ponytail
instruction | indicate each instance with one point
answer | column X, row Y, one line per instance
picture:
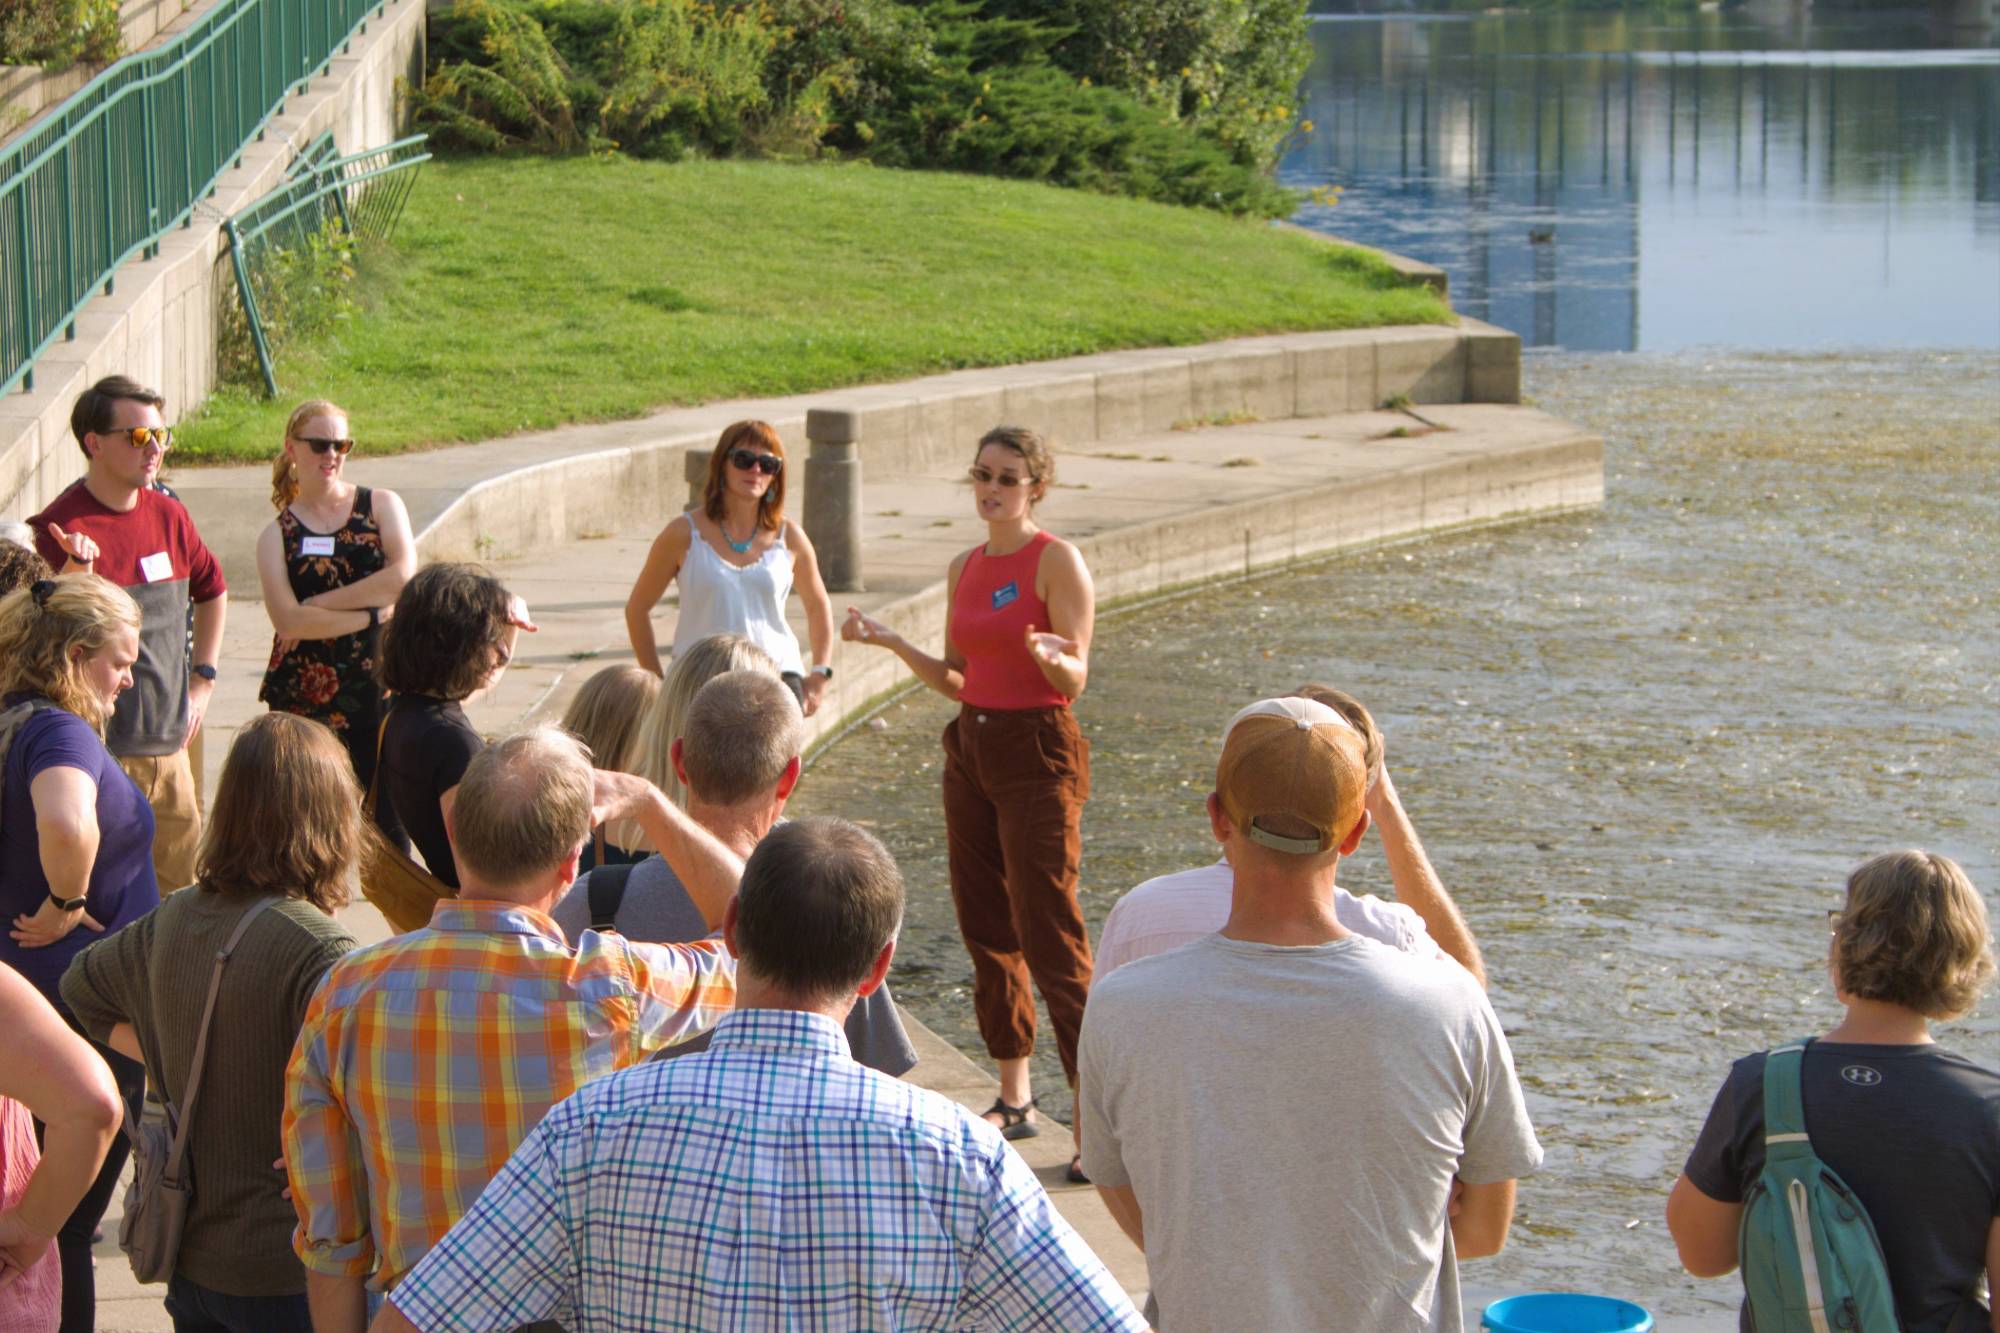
column 284, row 481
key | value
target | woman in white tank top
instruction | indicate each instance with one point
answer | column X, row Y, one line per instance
column 737, row 559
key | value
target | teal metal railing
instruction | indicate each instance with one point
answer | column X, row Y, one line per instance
column 362, row 193
column 126, row 159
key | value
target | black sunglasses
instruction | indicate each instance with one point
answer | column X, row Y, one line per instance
column 321, row 444
column 748, row 460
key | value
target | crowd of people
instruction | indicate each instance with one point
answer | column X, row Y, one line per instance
column 629, row 1059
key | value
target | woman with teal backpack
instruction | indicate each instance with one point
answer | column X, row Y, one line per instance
column 1874, row 1113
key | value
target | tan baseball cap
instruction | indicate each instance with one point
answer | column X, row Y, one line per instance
column 1297, row 758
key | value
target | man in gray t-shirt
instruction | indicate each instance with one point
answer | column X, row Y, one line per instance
column 739, row 757
column 1302, row 1127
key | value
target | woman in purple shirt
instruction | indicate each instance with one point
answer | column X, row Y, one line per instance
column 76, row 834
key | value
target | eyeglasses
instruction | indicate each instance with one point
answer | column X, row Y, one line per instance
column 747, row 460
column 983, row 475
column 320, row 444
column 145, row 437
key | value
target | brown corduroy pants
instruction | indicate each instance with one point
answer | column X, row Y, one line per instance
column 1014, row 786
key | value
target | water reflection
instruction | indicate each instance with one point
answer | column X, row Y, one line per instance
column 1618, row 182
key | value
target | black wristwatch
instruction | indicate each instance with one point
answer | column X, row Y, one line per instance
column 67, row 904
column 824, row 672
column 204, row 670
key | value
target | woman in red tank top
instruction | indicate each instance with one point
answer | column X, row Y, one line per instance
column 1018, row 622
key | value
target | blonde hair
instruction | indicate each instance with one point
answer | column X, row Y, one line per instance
column 39, row 633
column 664, row 723
column 284, row 476
column 606, row 711
column 1914, row 933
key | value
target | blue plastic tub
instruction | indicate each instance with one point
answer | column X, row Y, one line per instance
column 1565, row 1312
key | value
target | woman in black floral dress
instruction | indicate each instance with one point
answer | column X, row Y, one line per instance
column 331, row 566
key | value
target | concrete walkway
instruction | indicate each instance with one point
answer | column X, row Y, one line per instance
column 1185, row 490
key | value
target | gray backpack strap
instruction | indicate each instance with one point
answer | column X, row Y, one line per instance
column 17, row 717
column 177, row 1159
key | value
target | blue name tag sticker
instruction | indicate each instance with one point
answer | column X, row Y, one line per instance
column 1003, row 596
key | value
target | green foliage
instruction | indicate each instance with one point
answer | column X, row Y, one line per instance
column 678, row 77
column 1035, row 123
column 304, row 288
column 632, row 285
column 656, row 78
column 1229, row 69
column 510, row 89
column 58, row 33
column 961, row 85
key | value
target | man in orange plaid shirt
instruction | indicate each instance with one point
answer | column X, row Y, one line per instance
column 425, row 1059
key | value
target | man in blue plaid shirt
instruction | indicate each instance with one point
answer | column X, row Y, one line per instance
column 769, row 1181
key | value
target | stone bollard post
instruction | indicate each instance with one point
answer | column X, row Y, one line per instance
column 695, row 464
column 833, row 495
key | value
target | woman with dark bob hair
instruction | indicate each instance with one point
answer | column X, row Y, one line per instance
column 452, row 636
column 1912, row 1128
column 285, row 825
column 737, row 559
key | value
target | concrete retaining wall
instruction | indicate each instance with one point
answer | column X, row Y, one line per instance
column 1234, row 541
column 158, row 322
column 921, row 424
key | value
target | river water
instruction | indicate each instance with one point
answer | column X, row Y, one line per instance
column 1644, row 744
column 1768, row 176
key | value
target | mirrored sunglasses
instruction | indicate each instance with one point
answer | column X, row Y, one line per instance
column 146, row 437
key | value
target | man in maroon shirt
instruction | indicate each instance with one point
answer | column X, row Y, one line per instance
column 116, row 524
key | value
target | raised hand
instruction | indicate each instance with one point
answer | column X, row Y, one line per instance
column 1048, row 649
column 615, row 795
column 80, row 550
column 858, row 628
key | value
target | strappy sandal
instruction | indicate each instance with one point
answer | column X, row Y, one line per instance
column 1074, row 1175
column 1014, row 1122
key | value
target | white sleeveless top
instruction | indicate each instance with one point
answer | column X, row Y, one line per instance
column 720, row 598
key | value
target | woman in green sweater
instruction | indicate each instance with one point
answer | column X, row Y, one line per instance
column 286, row 824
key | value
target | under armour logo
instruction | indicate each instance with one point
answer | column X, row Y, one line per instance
column 1861, row 1076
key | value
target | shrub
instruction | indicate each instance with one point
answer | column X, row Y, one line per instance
column 944, row 84
column 304, row 287
column 674, row 80
column 1229, row 69
column 57, row 33
column 501, row 86
column 657, row 78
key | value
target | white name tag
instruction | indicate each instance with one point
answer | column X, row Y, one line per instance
column 315, row 546
column 156, row 567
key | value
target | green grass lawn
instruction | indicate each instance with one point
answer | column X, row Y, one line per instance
column 529, row 292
